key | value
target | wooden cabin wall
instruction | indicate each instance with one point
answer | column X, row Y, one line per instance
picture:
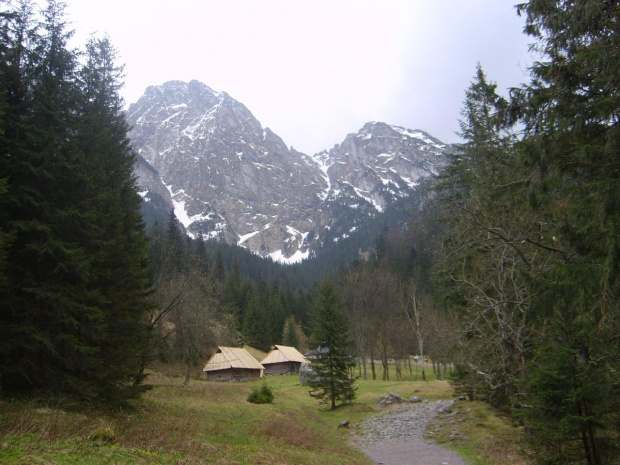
column 236, row 374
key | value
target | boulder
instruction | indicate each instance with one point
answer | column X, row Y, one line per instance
column 305, row 373
column 391, row 398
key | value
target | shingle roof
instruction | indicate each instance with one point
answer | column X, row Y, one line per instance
column 231, row 357
column 283, row 354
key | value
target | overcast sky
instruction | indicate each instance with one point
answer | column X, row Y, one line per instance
column 315, row 70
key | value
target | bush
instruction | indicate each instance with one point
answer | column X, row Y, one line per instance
column 463, row 381
column 262, row 395
column 103, row 435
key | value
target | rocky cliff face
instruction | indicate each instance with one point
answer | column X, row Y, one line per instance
column 229, row 178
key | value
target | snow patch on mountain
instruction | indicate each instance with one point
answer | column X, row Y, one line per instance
column 245, row 237
column 297, row 257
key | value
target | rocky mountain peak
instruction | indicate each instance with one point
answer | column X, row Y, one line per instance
column 380, row 163
column 229, row 178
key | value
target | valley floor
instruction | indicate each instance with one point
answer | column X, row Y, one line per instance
column 212, row 423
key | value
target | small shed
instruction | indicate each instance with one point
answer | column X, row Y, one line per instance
column 232, row 364
column 316, row 353
column 283, row 360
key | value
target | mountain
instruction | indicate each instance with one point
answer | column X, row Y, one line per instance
column 204, row 154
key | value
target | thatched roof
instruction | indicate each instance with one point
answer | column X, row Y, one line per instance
column 231, row 357
column 284, row 354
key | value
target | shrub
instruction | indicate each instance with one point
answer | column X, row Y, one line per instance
column 103, row 435
column 262, row 395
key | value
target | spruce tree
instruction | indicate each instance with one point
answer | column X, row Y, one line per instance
column 201, row 254
column 331, row 381
column 232, row 298
column 290, row 336
column 255, row 328
column 487, row 246
column 49, row 299
column 117, row 244
column 73, row 307
column 219, row 273
column 570, row 117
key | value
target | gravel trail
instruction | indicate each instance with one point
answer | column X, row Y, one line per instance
column 396, row 436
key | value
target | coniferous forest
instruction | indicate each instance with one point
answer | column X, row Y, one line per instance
column 74, row 270
column 507, row 281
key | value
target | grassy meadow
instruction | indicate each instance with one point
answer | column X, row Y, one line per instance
column 212, row 423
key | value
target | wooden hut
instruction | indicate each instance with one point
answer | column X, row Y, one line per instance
column 283, row 360
column 232, row 364
column 315, row 353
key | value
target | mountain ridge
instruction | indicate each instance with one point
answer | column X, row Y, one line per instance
column 228, row 178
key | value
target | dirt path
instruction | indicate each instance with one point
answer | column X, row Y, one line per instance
column 396, row 436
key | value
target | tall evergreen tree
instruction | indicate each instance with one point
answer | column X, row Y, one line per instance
column 571, row 120
column 331, row 381
column 175, row 244
column 75, row 262
column 233, row 298
column 118, row 245
column 219, row 273
column 49, row 298
column 201, row 254
column 275, row 314
column 255, row 327
column 290, row 334
column 488, row 250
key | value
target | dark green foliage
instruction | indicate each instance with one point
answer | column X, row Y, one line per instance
column 74, row 301
column 570, row 114
column 5, row 241
column 255, row 328
column 243, row 308
column 331, row 381
column 218, row 267
column 535, row 221
column 290, row 336
column 262, row 395
column 487, row 248
column 465, row 382
column 175, row 240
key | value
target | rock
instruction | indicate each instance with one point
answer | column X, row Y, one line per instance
column 204, row 154
column 305, row 372
column 415, row 399
column 391, row 398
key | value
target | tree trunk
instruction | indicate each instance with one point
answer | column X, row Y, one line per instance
column 372, row 364
column 363, row 355
column 188, row 373
column 588, row 437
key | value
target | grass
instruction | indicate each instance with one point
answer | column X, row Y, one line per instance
column 204, row 422
column 480, row 434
